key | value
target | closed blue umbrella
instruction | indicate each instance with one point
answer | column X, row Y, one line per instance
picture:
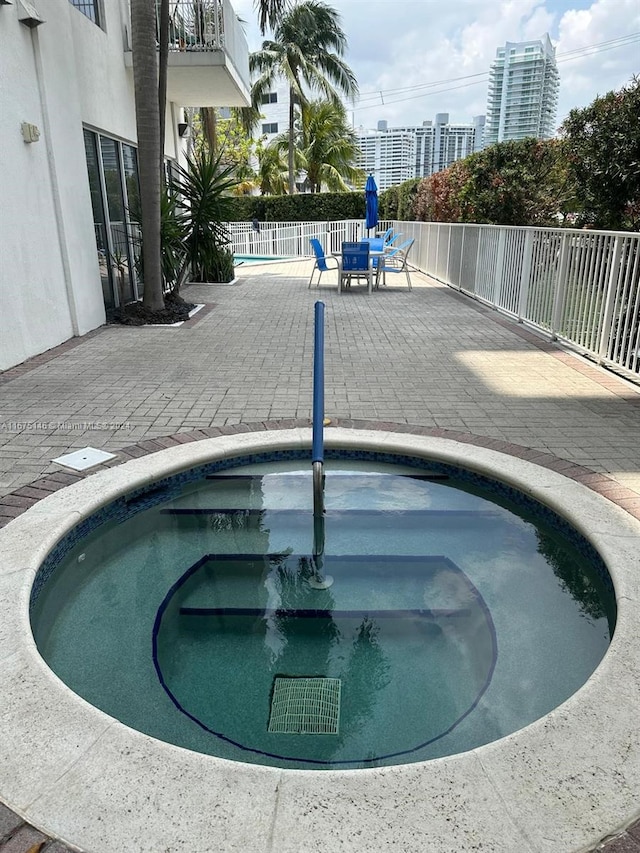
column 371, row 200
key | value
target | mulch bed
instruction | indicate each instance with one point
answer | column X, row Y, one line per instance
column 175, row 310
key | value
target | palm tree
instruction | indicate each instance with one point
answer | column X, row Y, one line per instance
column 269, row 11
column 329, row 147
column 145, row 81
column 306, row 50
column 149, row 80
column 272, row 170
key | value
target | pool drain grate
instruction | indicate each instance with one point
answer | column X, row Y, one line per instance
column 305, row 706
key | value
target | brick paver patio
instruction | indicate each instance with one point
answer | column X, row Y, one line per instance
column 429, row 360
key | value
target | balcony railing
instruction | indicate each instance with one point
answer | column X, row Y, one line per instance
column 581, row 287
column 208, row 63
column 195, row 25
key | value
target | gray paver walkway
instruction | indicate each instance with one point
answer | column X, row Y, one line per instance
column 430, row 358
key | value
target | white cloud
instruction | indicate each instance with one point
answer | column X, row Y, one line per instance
column 398, row 44
column 595, row 73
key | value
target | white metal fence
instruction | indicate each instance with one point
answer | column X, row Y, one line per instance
column 291, row 239
column 582, row 287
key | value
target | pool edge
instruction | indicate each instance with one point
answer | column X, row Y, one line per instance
column 513, row 769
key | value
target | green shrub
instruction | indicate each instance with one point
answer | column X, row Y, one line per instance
column 388, row 203
column 302, row 207
column 406, row 200
column 221, row 267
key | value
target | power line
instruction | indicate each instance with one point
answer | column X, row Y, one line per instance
column 424, row 85
column 567, row 56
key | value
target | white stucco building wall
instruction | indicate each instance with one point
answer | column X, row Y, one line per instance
column 65, row 76
column 274, row 115
column 49, row 282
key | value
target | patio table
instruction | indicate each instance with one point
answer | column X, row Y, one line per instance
column 374, row 280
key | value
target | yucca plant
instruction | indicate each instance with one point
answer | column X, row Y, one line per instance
column 173, row 233
column 205, row 186
column 174, row 225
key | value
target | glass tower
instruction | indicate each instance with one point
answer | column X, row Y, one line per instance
column 523, row 92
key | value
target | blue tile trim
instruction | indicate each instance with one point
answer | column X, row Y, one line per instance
column 309, row 613
column 361, row 761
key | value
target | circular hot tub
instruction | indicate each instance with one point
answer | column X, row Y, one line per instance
column 571, row 774
column 460, row 610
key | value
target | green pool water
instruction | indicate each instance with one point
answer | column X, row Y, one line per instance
column 454, row 617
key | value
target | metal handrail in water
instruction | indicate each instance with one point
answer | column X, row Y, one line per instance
column 318, row 580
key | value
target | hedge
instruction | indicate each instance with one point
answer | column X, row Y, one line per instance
column 303, row 207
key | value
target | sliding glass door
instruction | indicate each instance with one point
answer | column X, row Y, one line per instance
column 113, row 180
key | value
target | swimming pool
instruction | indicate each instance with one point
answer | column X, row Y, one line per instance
column 461, row 611
column 257, row 259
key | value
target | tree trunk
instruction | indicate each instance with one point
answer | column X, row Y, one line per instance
column 292, row 176
column 145, row 81
column 210, row 127
column 163, row 38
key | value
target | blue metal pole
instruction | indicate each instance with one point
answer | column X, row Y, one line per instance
column 318, row 580
column 317, row 450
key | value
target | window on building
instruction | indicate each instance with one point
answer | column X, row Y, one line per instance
column 269, row 98
column 270, row 127
column 91, row 8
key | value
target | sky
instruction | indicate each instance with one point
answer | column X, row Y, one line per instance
column 415, row 58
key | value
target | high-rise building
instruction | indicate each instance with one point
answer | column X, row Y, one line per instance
column 523, row 92
column 389, row 155
column 441, row 143
column 394, row 155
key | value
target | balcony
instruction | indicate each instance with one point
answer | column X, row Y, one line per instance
column 208, row 55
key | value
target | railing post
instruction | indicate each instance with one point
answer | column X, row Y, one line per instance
column 497, row 282
column 461, row 257
column 607, row 319
column 217, row 30
column 561, row 286
column 478, row 253
column 525, row 275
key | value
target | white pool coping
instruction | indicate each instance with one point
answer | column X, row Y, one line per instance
column 560, row 785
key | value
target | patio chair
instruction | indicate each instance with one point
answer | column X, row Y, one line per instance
column 321, row 261
column 395, row 261
column 392, row 238
column 355, row 264
column 389, row 237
